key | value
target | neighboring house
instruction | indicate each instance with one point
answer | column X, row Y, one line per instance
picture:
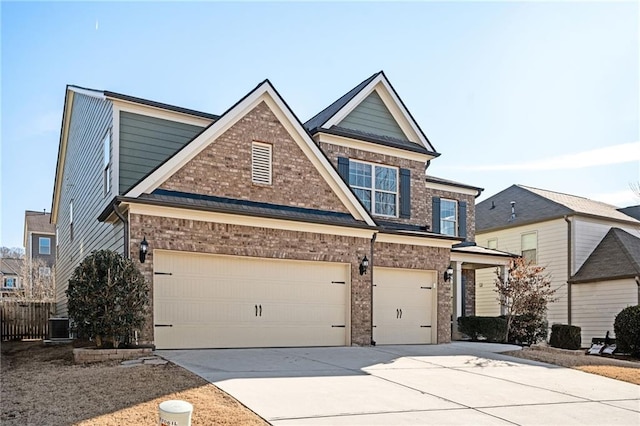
column 39, row 238
column 260, row 227
column 10, row 273
column 560, row 232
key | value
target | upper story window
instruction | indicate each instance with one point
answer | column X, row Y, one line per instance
column 44, row 245
column 261, row 159
column 44, row 272
column 529, row 246
column 376, row 186
column 448, row 217
column 106, row 169
column 10, row 282
column 492, row 244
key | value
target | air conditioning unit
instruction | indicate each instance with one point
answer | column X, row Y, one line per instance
column 58, row 328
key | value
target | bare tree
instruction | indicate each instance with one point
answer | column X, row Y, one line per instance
column 525, row 291
column 11, row 253
column 38, row 282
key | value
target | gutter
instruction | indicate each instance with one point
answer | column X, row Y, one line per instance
column 373, row 240
column 125, row 222
column 569, row 256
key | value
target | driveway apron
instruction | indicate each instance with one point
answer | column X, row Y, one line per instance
column 452, row 384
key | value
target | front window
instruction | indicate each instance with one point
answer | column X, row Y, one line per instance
column 44, row 246
column 529, row 247
column 449, row 217
column 10, row 282
column 376, row 186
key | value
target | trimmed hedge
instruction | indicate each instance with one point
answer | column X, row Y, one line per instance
column 627, row 329
column 491, row 328
column 565, row 336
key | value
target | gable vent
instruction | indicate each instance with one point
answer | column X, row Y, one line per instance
column 261, row 163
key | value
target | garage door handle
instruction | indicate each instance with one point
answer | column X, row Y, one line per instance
column 398, row 313
column 260, row 310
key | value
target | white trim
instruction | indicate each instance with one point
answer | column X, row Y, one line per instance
column 98, row 94
column 263, row 93
column 261, row 163
column 414, row 240
column 380, row 84
column 451, row 188
column 480, row 259
column 161, row 113
column 62, row 156
column 371, row 147
column 115, row 148
column 251, row 221
column 456, row 215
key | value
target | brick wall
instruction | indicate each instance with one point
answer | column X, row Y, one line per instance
column 469, row 291
column 419, row 214
column 224, row 167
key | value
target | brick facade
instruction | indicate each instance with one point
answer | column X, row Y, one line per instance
column 469, row 291
column 206, row 237
column 224, row 167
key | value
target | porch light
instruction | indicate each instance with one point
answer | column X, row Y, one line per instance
column 144, row 247
column 364, row 265
column 448, row 274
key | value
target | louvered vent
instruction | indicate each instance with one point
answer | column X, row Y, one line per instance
column 261, row 163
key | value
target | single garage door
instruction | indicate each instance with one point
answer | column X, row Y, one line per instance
column 214, row 301
column 403, row 302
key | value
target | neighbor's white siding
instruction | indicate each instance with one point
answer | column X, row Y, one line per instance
column 595, row 305
column 587, row 234
column 552, row 254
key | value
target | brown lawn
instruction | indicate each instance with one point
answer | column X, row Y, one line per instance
column 40, row 385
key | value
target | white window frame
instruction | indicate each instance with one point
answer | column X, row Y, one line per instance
column 261, row 163
column 374, row 190
column 533, row 260
column 455, row 217
column 106, row 164
column 40, row 240
column 13, row 279
column 44, row 272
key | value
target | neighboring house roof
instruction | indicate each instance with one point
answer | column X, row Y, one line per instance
column 633, row 211
column 617, row 256
column 536, row 205
column 11, row 266
column 329, row 119
column 37, row 222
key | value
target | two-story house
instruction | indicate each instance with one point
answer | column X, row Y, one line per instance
column 10, row 276
column 260, row 230
column 40, row 239
column 590, row 250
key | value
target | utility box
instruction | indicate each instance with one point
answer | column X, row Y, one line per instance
column 175, row 413
column 58, row 328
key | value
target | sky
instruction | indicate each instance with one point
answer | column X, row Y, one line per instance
column 543, row 94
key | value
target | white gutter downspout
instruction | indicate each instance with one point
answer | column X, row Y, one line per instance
column 569, row 256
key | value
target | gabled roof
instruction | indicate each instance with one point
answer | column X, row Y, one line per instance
column 617, row 256
column 264, row 92
column 633, row 211
column 39, row 222
column 536, row 205
column 328, row 120
column 10, row 266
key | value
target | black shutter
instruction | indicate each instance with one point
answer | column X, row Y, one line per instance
column 343, row 168
column 405, row 193
column 435, row 215
column 462, row 219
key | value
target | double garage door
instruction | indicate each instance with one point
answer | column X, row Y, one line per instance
column 216, row 301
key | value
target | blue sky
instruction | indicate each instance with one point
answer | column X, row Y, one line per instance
column 544, row 94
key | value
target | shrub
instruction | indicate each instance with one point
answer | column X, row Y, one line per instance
column 527, row 329
column 565, row 336
column 627, row 329
column 107, row 298
column 491, row 328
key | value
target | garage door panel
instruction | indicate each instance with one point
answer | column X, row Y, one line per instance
column 227, row 301
column 403, row 306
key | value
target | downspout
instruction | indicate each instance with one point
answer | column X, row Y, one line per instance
column 569, row 256
column 125, row 222
column 373, row 240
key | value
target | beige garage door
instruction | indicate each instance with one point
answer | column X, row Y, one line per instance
column 403, row 301
column 212, row 301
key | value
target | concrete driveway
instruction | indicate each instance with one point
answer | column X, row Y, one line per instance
column 453, row 384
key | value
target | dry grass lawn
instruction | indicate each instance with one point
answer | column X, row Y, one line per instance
column 41, row 386
column 628, row 371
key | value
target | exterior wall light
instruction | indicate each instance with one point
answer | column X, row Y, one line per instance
column 448, row 274
column 144, row 247
column 364, row 265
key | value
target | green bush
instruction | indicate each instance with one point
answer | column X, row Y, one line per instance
column 565, row 336
column 627, row 329
column 491, row 328
column 527, row 329
column 107, row 298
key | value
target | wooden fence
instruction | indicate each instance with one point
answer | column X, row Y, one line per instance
column 25, row 320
